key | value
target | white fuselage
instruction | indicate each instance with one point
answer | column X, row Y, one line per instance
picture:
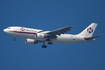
column 29, row 33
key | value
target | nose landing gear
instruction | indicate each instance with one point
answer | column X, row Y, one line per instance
column 14, row 38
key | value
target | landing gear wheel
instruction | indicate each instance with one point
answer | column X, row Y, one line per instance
column 14, row 39
column 44, row 46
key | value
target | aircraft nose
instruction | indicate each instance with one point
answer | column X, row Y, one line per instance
column 5, row 30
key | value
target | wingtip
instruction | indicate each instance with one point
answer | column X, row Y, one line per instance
column 99, row 35
column 71, row 26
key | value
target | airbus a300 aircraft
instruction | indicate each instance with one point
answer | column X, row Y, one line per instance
column 33, row 36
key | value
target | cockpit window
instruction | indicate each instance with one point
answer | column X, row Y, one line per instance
column 8, row 28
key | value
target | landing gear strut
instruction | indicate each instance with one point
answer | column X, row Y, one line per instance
column 49, row 39
column 50, row 43
column 14, row 38
column 44, row 46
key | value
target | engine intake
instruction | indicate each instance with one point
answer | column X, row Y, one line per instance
column 31, row 41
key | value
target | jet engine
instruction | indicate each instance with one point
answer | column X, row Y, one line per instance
column 31, row 41
column 40, row 35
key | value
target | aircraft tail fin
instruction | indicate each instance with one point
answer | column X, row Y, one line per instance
column 89, row 30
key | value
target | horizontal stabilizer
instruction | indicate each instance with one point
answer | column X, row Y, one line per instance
column 91, row 38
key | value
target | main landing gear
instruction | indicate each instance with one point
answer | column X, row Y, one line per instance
column 44, row 46
column 50, row 43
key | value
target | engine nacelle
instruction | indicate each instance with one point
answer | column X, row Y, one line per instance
column 31, row 41
column 40, row 35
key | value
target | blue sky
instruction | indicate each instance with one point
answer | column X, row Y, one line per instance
column 51, row 15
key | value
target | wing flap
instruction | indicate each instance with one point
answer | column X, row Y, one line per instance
column 60, row 31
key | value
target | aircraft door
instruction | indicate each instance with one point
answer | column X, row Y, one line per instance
column 15, row 29
column 73, row 38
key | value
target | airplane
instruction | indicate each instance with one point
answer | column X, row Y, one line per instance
column 33, row 36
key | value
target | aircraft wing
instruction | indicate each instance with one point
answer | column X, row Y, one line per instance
column 59, row 31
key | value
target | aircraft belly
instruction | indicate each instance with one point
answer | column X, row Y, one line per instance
column 68, row 39
column 64, row 39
